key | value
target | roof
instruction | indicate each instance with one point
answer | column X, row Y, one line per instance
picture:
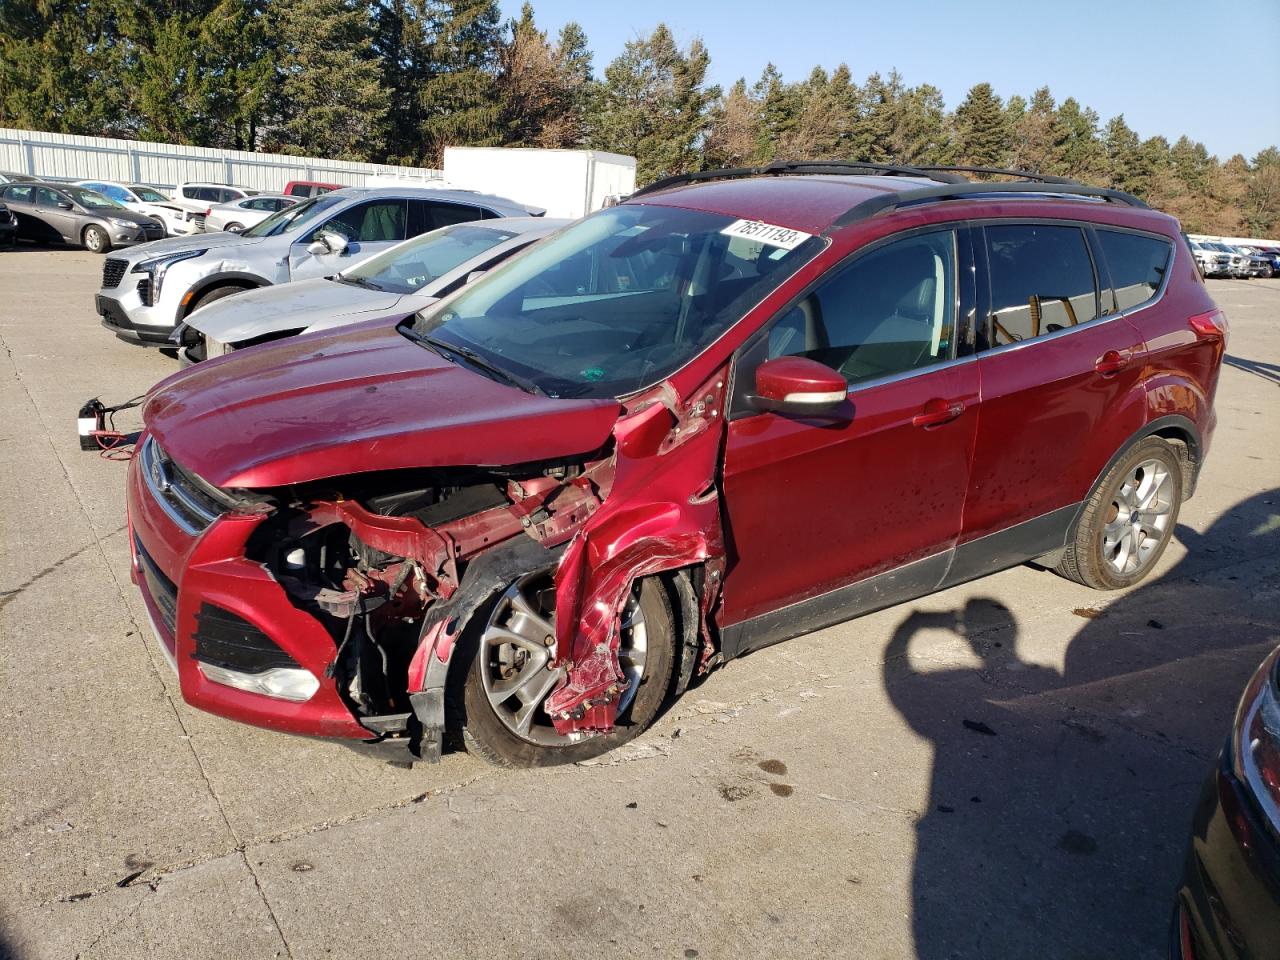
column 808, row 202
column 500, row 204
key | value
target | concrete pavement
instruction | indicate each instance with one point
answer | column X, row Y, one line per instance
column 821, row 798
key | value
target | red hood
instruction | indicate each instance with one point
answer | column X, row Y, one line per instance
column 358, row 399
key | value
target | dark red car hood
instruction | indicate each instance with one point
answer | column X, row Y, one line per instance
column 358, row 399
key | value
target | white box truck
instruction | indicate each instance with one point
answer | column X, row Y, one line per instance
column 567, row 183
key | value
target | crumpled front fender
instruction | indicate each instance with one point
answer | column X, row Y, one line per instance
column 662, row 513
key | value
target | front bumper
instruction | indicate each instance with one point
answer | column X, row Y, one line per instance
column 182, row 576
column 115, row 317
column 1228, row 904
column 131, row 236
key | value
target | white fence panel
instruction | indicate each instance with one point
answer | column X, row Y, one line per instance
column 60, row 156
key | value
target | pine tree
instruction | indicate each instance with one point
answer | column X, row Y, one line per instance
column 780, row 106
column 981, row 129
column 1038, row 135
column 733, row 129
column 1082, row 155
column 1261, row 202
column 60, row 67
column 403, row 47
column 1125, row 169
column 539, row 87
column 653, row 105
column 457, row 101
column 333, row 99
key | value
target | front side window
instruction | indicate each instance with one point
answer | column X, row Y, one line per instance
column 46, row 197
column 1042, row 281
column 891, row 310
column 412, row 265
column 1138, row 264
column 374, row 221
column 613, row 304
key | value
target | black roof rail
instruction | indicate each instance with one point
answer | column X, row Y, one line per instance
column 1002, row 172
column 873, row 205
column 777, row 167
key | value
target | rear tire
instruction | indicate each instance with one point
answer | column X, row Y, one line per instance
column 495, row 738
column 1128, row 520
column 233, row 227
column 95, row 239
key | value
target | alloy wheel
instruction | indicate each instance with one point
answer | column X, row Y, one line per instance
column 1138, row 518
column 518, row 646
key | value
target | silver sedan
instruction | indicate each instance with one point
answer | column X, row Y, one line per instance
column 394, row 283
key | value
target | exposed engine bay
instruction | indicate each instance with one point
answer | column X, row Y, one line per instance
column 394, row 565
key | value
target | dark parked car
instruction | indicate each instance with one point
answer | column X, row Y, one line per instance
column 56, row 213
column 7, row 176
column 1228, row 906
column 735, row 408
column 309, row 188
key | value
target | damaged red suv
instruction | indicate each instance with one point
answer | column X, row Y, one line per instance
column 738, row 407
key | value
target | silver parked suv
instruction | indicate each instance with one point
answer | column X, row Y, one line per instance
column 147, row 292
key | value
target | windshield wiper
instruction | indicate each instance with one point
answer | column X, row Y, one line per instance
column 358, row 282
column 445, row 348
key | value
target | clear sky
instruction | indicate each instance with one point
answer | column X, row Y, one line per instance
column 1208, row 69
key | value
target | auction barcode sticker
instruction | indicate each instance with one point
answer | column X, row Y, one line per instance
column 768, row 233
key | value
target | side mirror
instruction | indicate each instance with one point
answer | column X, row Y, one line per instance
column 798, row 385
column 328, row 242
column 65, row 205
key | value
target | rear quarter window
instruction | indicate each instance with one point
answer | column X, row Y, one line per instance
column 1138, row 264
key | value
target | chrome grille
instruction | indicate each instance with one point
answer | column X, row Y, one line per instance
column 180, row 494
column 113, row 272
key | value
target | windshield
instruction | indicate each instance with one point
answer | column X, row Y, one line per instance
column 147, row 195
column 90, row 199
column 615, row 303
column 291, row 218
column 409, row 266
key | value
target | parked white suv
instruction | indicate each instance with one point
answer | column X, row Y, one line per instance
column 145, row 200
column 148, row 290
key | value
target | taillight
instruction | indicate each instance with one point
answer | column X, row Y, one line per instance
column 208, row 210
column 1211, row 324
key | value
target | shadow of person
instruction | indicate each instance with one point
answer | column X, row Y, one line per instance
column 1059, row 801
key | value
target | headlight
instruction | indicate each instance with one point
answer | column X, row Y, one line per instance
column 122, row 223
column 158, row 266
column 1255, row 739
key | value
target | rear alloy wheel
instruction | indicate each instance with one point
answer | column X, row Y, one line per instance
column 233, row 227
column 1126, row 524
column 96, row 239
column 510, row 676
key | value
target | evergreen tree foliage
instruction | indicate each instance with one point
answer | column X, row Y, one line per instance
column 398, row 80
column 333, row 101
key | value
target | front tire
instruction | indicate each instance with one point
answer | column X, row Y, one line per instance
column 1128, row 520
column 508, row 680
column 95, row 239
column 217, row 293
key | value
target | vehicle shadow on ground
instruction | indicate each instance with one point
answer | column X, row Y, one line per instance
column 1060, row 802
column 1259, row 368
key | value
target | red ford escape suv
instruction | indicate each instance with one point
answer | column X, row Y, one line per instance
column 740, row 406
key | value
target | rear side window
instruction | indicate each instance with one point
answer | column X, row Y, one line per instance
column 18, row 194
column 1042, row 281
column 1137, row 263
column 427, row 215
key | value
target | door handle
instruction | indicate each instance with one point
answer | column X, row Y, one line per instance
column 1111, row 362
column 937, row 412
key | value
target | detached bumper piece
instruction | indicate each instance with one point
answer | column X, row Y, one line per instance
column 232, row 651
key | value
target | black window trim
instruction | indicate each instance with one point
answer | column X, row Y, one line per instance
column 965, row 312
